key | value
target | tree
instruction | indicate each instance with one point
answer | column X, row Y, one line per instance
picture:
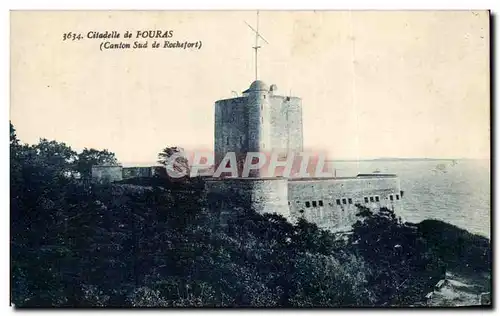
column 15, row 165
column 92, row 157
column 38, row 183
column 324, row 281
column 401, row 262
column 13, row 137
column 47, row 158
column 174, row 159
column 50, row 159
column 461, row 250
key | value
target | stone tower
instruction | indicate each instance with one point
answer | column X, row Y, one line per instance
column 258, row 121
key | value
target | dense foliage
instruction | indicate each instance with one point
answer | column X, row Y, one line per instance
column 460, row 250
column 79, row 244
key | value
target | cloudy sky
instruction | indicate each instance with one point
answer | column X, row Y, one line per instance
column 373, row 83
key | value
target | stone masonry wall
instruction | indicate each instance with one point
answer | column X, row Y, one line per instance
column 258, row 122
column 231, row 127
column 265, row 195
column 330, row 203
column 106, row 174
column 137, row 172
column 286, row 123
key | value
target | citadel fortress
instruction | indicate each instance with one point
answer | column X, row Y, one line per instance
column 262, row 121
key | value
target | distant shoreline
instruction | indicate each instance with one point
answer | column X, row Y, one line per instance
column 405, row 159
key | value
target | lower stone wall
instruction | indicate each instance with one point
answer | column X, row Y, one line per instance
column 330, row 203
column 137, row 172
column 264, row 195
column 106, row 174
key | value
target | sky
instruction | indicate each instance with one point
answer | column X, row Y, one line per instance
column 373, row 83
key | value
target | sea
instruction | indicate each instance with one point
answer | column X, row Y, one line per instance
column 456, row 191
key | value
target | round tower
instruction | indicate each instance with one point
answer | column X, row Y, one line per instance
column 259, row 119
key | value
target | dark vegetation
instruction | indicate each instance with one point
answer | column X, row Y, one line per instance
column 461, row 251
column 74, row 243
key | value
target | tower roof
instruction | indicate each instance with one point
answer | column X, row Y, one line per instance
column 257, row 85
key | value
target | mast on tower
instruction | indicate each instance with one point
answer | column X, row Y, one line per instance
column 256, row 47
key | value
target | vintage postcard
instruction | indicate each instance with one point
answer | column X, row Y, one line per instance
column 282, row 159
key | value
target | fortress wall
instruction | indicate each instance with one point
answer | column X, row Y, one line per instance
column 332, row 215
column 266, row 195
column 137, row 172
column 106, row 174
column 286, row 123
column 271, row 196
column 313, row 199
column 231, row 126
